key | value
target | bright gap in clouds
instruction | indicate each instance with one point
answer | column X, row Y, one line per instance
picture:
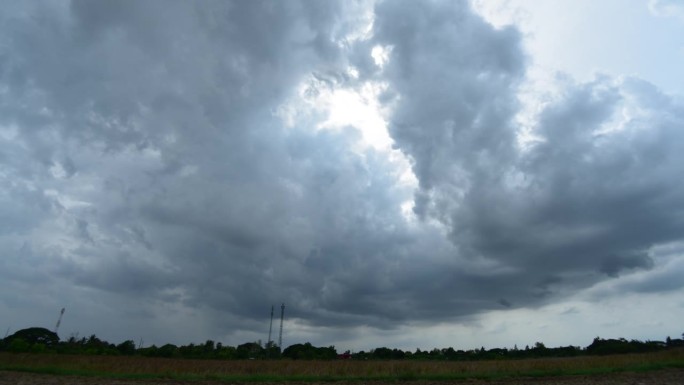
column 360, row 109
column 582, row 40
column 342, row 108
column 339, row 108
column 584, row 37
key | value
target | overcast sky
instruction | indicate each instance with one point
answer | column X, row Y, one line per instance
column 410, row 174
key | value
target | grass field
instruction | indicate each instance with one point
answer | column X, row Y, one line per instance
column 317, row 371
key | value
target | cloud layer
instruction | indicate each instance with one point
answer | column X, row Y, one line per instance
column 168, row 158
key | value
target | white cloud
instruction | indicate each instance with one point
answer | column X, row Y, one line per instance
column 667, row 8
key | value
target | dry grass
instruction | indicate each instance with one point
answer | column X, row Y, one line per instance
column 335, row 370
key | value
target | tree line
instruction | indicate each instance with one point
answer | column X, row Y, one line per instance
column 41, row 340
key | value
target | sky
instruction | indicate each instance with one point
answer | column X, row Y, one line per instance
column 397, row 173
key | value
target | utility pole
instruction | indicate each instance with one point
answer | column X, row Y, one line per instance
column 270, row 329
column 59, row 320
column 280, row 338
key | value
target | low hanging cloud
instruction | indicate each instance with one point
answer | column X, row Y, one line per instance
column 164, row 154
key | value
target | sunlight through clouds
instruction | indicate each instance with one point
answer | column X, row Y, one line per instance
column 358, row 109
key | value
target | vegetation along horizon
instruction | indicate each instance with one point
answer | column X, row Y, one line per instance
column 39, row 350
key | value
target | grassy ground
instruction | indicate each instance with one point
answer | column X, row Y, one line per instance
column 318, row 371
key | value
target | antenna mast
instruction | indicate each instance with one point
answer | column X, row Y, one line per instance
column 280, row 338
column 270, row 329
column 59, row 320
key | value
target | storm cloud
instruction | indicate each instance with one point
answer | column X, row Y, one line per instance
column 170, row 155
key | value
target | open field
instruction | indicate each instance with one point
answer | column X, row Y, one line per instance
column 661, row 377
column 654, row 368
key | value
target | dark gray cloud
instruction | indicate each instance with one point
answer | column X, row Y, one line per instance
column 151, row 134
column 587, row 200
column 147, row 169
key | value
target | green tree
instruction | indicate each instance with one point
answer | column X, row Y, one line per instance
column 309, row 352
column 126, row 348
column 225, row 352
column 208, row 349
column 96, row 346
column 35, row 335
column 18, row 345
column 168, row 350
column 249, row 350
